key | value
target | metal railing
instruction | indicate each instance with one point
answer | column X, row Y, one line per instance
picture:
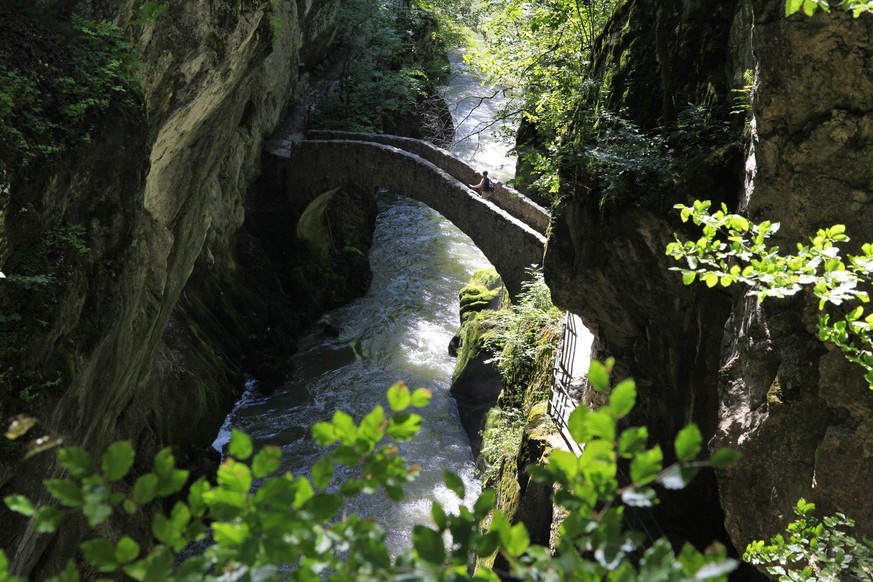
column 561, row 403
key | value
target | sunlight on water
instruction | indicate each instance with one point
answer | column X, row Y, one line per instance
column 399, row 331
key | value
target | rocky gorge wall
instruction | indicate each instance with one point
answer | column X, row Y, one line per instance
column 713, row 356
column 172, row 295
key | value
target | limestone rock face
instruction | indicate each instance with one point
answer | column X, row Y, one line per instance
column 752, row 376
column 165, row 310
column 801, row 414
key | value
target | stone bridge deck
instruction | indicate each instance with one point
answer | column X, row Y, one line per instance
column 508, row 228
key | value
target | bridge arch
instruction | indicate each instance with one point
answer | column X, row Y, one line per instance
column 316, row 166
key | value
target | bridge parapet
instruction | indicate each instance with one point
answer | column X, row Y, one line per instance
column 509, row 199
column 510, row 244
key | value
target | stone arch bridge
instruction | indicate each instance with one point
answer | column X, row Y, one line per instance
column 508, row 228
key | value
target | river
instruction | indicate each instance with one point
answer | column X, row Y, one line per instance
column 400, row 330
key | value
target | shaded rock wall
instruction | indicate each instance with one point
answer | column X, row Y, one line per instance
column 175, row 298
column 800, row 413
column 807, row 166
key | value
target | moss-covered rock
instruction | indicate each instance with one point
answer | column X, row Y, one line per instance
column 476, row 382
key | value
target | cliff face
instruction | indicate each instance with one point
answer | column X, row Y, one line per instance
column 712, row 356
column 166, row 295
column 799, row 411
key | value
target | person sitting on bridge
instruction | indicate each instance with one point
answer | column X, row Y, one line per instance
column 485, row 186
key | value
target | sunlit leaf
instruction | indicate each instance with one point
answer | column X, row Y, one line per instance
column 266, row 461
column 19, row 425
column 688, row 443
column 240, row 445
column 20, row 504
column 42, row 444
column 399, row 397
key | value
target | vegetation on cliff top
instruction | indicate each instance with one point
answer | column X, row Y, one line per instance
column 57, row 79
column 394, row 59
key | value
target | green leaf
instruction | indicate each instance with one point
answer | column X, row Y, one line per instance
column 372, row 428
column 623, row 398
column 76, row 461
column 240, row 445
column 100, row 553
column 322, row 473
column 688, row 443
column 165, row 462
column 234, row 476
column 344, row 427
column 724, row 457
column 454, row 483
column 65, row 491
column 646, row 466
column 96, row 510
column 172, row 483
column 428, row 544
column 404, row 427
column 117, row 460
column 47, row 519
column 222, row 497
column 689, row 277
column 324, row 434
column 304, row 492
column 600, row 424
column 266, row 461
column 577, row 423
column 20, row 504
column 399, row 397
column 126, row 550
column 598, row 376
column 144, row 488
column 323, row 506
column 565, row 463
column 232, row 534
column 421, row 397
column 484, row 504
column 438, row 514
column 710, row 279
column 633, row 441
column 519, row 540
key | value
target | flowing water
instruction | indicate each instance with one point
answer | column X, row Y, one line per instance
column 400, row 330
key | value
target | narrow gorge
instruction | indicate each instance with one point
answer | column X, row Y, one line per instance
column 157, row 257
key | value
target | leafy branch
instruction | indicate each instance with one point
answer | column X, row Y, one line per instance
column 734, row 250
column 814, row 549
column 295, row 527
column 810, row 7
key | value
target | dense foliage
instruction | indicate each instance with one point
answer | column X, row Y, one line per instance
column 295, row 526
column 541, row 52
column 814, row 549
column 57, row 79
column 524, row 338
column 393, row 58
